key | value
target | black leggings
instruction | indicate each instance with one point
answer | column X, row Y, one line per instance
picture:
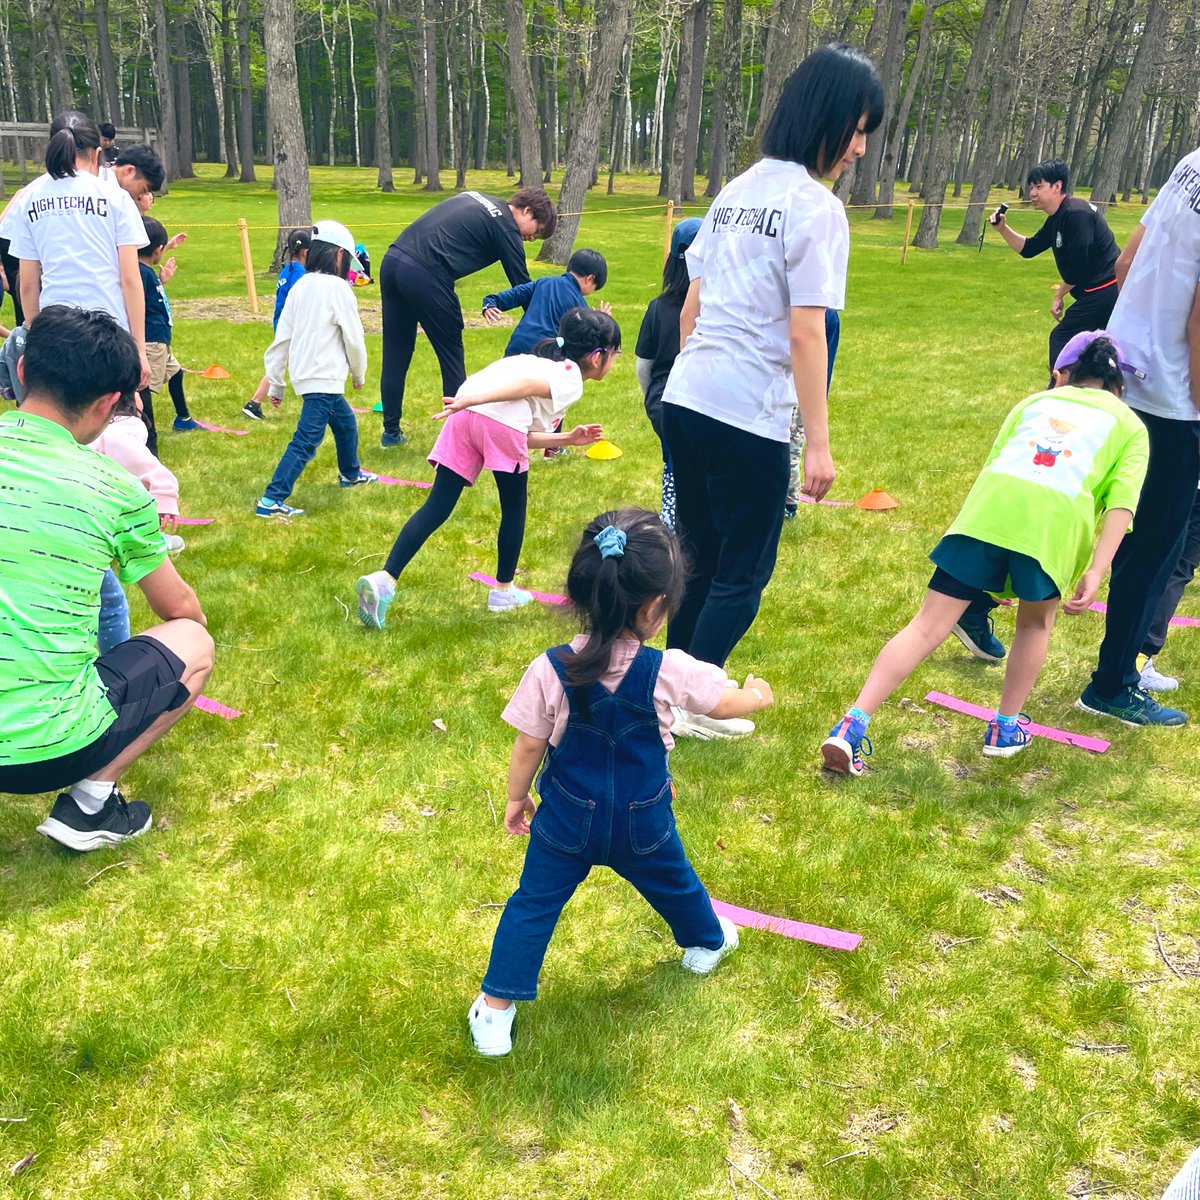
column 513, row 487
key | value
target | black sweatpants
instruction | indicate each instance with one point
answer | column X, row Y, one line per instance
column 1090, row 311
column 1185, row 570
column 1149, row 552
column 413, row 295
column 730, row 487
column 448, row 486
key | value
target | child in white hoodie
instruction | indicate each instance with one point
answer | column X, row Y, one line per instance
column 124, row 440
column 319, row 340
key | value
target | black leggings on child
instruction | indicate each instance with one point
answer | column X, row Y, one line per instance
column 175, row 390
column 513, row 487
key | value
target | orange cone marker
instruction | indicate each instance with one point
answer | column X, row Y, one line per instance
column 215, row 372
column 876, row 500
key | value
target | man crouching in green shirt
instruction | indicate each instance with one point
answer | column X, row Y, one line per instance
column 72, row 719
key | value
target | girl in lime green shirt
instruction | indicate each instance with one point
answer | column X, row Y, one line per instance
column 1067, row 462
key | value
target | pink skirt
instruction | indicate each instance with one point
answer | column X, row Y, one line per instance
column 470, row 442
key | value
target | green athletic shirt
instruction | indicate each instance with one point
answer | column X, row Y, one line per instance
column 1061, row 460
column 66, row 514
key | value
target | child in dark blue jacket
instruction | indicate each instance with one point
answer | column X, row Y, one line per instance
column 298, row 243
column 547, row 301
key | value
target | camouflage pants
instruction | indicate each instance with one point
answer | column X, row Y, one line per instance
column 796, row 442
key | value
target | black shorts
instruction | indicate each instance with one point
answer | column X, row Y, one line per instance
column 144, row 680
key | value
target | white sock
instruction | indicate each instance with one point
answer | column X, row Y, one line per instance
column 91, row 794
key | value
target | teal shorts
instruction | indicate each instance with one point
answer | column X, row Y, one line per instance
column 967, row 566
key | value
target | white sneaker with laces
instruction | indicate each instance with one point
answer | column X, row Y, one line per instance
column 491, row 1028
column 506, row 599
column 1153, row 680
column 700, row 961
column 697, row 725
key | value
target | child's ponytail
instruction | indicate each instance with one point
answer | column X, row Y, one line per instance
column 582, row 331
column 71, row 133
column 1100, row 359
column 625, row 558
column 298, row 240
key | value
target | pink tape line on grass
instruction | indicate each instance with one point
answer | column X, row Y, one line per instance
column 544, row 597
column 1096, row 745
column 404, row 482
column 222, row 429
column 360, row 411
column 1180, row 622
column 831, row 503
column 194, row 520
column 834, row 939
column 204, row 704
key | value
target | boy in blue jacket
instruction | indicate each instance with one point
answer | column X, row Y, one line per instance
column 546, row 301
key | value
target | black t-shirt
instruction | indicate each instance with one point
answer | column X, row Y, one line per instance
column 463, row 235
column 1085, row 250
column 658, row 340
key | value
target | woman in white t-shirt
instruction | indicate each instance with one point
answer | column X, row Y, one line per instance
column 769, row 259
column 498, row 415
column 77, row 236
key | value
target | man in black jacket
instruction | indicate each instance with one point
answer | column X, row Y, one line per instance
column 453, row 239
column 1085, row 252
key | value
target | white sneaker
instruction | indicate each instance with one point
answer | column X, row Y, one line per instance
column 491, row 1028
column 697, row 725
column 1153, row 680
column 700, row 961
column 174, row 543
column 506, row 599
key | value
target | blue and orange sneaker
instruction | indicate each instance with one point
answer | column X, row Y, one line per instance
column 1003, row 740
column 844, row 748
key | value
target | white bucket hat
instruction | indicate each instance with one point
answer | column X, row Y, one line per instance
column 336, row 234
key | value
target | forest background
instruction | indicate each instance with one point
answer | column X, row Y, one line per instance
column 558, row 91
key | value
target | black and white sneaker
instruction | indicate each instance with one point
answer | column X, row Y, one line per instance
column 116, row 822
column 253, row 410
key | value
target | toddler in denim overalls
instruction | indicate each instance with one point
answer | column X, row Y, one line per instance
column 595, row 715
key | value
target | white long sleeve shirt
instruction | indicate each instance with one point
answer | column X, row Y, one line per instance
column 319, row 339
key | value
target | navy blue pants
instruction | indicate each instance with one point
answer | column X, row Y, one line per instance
column 569, row 837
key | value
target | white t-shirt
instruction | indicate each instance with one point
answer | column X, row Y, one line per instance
column 73, row 227
column 1150, row 317
column 775, row 239
column 537, row 412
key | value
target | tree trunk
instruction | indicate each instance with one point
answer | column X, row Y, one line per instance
column 964, row 106
column 108, row 74
column 287, row 126
column 657, row 148
column 433, row 182
column 695, row 101
column 938, row 125
column 383, row 93
column 245, row 95
column 183, row 92
column 613, row 21
column 228, row 119
column 525, row 101
column 673, row 180
column 787, row 36
column 62, row 94
column 890, row 72
column 1002, row 85
column 1120, row 126
column 353, row 88
column 898, row 129
column 164, row 85
column 483, row 112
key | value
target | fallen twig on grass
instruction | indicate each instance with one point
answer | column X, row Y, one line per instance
column 1101, row 1047
column 495, row 819
column 1096, row 1113
column 364, row 557
column 110, row 867
column 651, row 932
column 852, row 1154
column 230, row 967
column 1069, row 959
column 23, row 1164
column 1163, row 954
column 13, row 1120
column 742, row 1171
column 289, row 998
column 845, row 1087
column 1081, row 1190
column 960, row 942
column 345, row 609
column 307, row 569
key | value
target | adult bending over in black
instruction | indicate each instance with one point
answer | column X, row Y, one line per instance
column 1085, row 252
column 453, row 239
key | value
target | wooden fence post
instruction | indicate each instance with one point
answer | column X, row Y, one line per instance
column 670, row 222
column 248, row 264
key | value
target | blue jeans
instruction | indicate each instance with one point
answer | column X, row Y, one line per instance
column 114, row 613
column 318, row 411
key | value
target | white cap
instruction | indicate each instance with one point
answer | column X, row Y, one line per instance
column 336, row 234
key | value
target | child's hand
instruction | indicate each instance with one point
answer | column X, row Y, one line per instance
column 276, row 401
column 493, row 316
column 175, row 242
column 517, row 814
column 1085, row 593
column 167, row 522
column 450, row 404
column 605, row 308
column 760, row 688
column 167, row 271
column 357, row 384
column 585, row 435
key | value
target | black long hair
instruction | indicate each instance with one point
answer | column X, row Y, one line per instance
column 607, row 593
column 324, row 258
column 582, row 331
column 1100, row 360
column 821, row 105
column 71, row 133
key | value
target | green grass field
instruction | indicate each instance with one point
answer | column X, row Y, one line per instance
column 265, row 997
